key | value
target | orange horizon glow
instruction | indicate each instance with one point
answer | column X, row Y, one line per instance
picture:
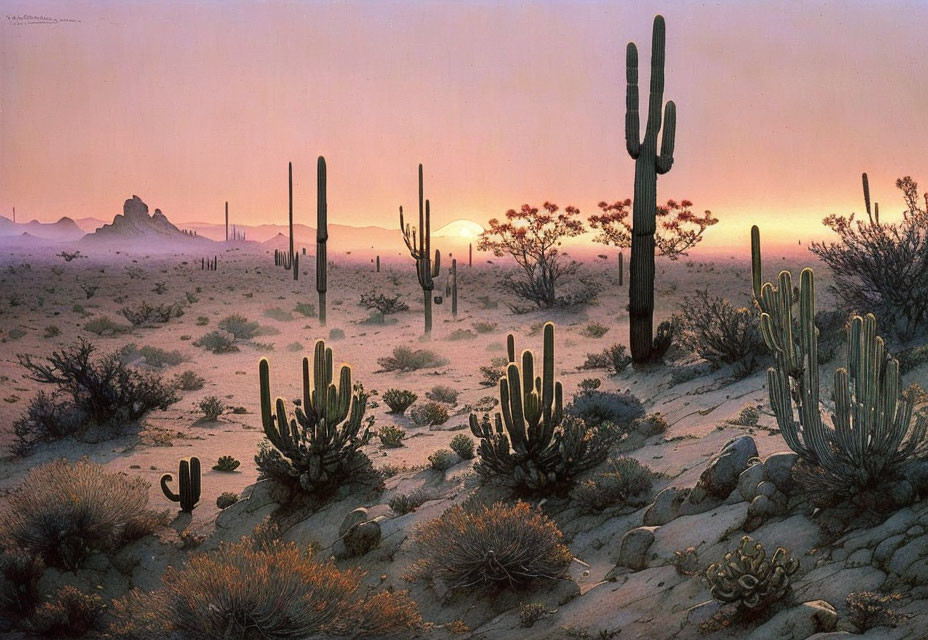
column 781, row 105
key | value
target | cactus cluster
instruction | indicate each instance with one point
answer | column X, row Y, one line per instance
column 209, row 264
column 321, row 445
column 530, row 444
column 873, row 430
column 648, row 165
column 420, row 249
column 747, row 577
column 188, row 482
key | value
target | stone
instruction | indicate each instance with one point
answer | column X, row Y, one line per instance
column 779, row 469
column 799, row 622
column 766, row 488
column 749, row 479
column 633, row 552
column 902, row 493
column 666, row 506
column 702, row 613
column 721, row 476
column 354, row 518
column 362, row 538
column 885, row 549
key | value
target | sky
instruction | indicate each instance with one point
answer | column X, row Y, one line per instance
column 780, row 106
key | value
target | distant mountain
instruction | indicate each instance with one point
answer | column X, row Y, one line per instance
column 64, row 230
column 89, row 225
column 136, row 229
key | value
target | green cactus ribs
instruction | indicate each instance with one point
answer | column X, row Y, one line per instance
column 420, row 250
column 188, row 479
column 648, row 165
column 319, row 447
column 530, row 444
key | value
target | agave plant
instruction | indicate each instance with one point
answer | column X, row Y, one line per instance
column 746, row 576
column 320, row 446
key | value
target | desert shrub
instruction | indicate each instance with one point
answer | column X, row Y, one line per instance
column 226, row 499
column 443, row 393
column 15, row 333
column 218, row 341
column 227, row 464
column 652, row 424
column 484, row 327
column 318, row 449
column 486, row 403
column 749, row 416
column 461, row 334
column 594, row 330
column 624, row 481
column 145, row 314
column 264, row 587
column 391, row 436
column 383, row 304
column 404, row 503
column 336, row 334
column 490, row 374
column 188, row 381
column 869, row 609
column 64, row 512
column 429, row 414
column 503, row 545
column 615, row 359
column 52, row 331
column 531, row 613
column 89, row 395
column 240, row 327
column 307, row 309
column 486, row 302
column 463, row 446
column 153, row 356
column 912, row 358
column 747, row 577
column 588, row 385
column 276, row 313
column 880, row 267
column 103, row 326
column 295, row 347
column 71, row 614
column 202, row 321
column 20, row 573
column 211, row 407
column 398, row 400
column 597, row 407
column 720, row 333
column 442, row 460
column 409, row 359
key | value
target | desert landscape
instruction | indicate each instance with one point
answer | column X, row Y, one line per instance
column 542, row 423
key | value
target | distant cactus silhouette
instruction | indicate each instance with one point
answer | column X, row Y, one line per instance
column 426, row 269
column 322, row 236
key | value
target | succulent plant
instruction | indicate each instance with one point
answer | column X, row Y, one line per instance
column 227, row 464
column 747, row 577
column 188, row 484
column 420, row 249
column 322, row 236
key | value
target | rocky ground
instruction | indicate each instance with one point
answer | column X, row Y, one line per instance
column 637, row 571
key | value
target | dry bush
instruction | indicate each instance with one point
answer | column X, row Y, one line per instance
column 409, row 359
column 64, row 512
column 428, row 414
column 71, row 614
column 720, row 333
column 261, row 587
column 625, row 481
column 240, row 327
column 503, row 545
column 398, row 399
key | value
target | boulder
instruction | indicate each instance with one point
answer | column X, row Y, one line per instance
column 778, row 467
column 749, row 479
column 666, row 506
column 721, row 476
column 633, row 552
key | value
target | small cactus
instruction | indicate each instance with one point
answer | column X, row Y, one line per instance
column 188, row 484
column 747, row 577
column 227, row 464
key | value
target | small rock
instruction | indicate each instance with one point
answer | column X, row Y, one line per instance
column 779, row 469
column 749, row 479
column 721, row 476
column 633, row 552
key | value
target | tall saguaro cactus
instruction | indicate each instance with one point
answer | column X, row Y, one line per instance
column 290, row 197
column 648, row 165
column 454, row 288
column 227, row 220
column 322, row 236
column 426, row 269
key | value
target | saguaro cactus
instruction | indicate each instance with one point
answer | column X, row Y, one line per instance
column 621, row 268
column 470, row 254
column 188, row 484
column 648, row 165
column 454, row 288
column 290, row 194
column 227, row 220
column 322, row 235
column 378, row 264
column 426, row 269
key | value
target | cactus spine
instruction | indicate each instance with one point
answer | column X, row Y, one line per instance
column 648, row 165
column 426, row 269
column 322, row 235
column 188, row 484
column 454, row 288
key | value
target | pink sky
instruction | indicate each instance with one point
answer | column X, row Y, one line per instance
column 780, row 106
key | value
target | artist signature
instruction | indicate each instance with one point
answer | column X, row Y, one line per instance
column 27, row 18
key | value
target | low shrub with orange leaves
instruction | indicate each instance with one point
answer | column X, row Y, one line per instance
column 496, row 545
column 261, row 587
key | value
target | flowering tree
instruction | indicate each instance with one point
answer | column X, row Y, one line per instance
column 531, row 236
column 679, row 229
